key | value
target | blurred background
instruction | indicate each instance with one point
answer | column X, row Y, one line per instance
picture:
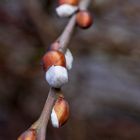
column 104, row 87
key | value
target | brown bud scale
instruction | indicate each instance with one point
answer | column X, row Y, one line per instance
column 55, row 58
column 72, row 2
column 28, row 135
column 61, row 108
column 84, row 19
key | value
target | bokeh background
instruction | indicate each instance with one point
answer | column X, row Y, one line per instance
column 104, row 87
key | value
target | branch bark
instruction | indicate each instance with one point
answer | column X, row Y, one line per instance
column 44, row 118
column 63, row 39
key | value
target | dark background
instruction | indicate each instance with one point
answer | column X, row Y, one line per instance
column 104, row 87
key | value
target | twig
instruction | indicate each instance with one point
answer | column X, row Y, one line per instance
column 46, row 113
column 41, row 124
column 64, row 39
column 67, row 33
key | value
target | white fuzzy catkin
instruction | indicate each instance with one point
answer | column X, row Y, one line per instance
column 57, row 76
column 54, row 119
column 69, row 59
column 66, row 10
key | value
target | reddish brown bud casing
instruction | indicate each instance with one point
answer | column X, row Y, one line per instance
column 72, row 2
column 30, row 134
column 55, row 58
column 61, row 111
column 84, row 19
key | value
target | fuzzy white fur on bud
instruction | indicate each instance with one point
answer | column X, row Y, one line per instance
column 57, row 76
column 66, row 10
column 54, row 119
column 69, row 59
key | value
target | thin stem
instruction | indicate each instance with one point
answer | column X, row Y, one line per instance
column 48, row 105
column 64, row 39
column 44, row 118
column 42, row 122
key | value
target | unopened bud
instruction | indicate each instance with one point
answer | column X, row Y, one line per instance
column 55, row 58
column 57, row 76
column 29, row 134
column 60, row 112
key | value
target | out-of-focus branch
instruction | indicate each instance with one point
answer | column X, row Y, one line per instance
column 39, row 19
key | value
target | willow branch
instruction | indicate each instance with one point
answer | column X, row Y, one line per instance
column 63, row 39
column 46, row 113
